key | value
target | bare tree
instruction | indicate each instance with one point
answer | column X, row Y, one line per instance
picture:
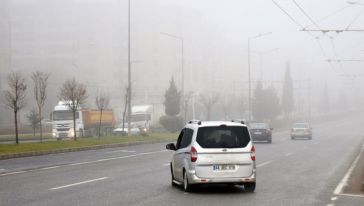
column 14, row 98
column 33, row 119
column 208, row 101
column 74, row 94
column 40, row 93
column 102, row 102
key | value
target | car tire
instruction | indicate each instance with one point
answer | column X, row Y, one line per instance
column 292, row 138
column 269, row 141
column 172, row 179
column 187, row 187
column 249, row 186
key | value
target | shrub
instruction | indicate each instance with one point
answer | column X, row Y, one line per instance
column 171, row 123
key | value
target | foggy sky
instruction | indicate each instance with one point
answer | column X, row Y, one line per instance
column 88, row 40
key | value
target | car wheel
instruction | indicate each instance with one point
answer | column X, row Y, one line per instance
column 292, row 138
column 172, row 179
column 187, row 187
column 269, row 141
column 249, row 187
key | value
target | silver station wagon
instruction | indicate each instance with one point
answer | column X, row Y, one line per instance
column 213, row 153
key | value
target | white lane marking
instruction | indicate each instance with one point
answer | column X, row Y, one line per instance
column 78, row 183
column 87, row 162
column 167, row 164
column 288, row 154
column 330, row 204
column 345, row 179
column 351, row 195
column 117, row 151
column 264, row 163
column 48, row 168
column 333, row 198
column 12, row 173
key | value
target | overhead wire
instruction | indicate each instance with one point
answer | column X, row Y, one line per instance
column 356, row 18
column 305, row 13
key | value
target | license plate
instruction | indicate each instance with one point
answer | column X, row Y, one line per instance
column 223, row 167
column 257, row 133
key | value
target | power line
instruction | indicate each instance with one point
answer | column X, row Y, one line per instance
column 284, row 11
column 303, row 11
column 356, row 17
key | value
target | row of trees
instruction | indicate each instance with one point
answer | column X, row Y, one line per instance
column 15, row 97
column 265, row 105
column 71, row 92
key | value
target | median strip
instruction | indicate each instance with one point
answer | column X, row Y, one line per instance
column 79, row 183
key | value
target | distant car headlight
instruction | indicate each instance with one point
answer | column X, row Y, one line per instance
column 54, row 134
column 144, row 129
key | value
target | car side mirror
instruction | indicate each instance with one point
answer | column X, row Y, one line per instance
column 171, row 146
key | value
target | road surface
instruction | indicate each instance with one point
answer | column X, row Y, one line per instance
column 290, row 172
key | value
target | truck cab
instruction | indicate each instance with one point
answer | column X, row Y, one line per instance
column 62, row 121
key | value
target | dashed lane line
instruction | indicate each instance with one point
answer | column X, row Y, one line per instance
column 12, row 173
column 120, row 151
column 49, row 168
column 264, row 163
column 333, row 198
column 288, row 154
column 84, row 163
column 78, row 183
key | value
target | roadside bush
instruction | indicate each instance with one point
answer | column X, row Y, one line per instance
column 171, row 123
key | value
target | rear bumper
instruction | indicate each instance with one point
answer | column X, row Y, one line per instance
column 261, row 137
column 194, row 179
column 301, row 135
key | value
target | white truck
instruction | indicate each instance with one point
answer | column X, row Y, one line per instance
column 87, row 121
column 141, row 120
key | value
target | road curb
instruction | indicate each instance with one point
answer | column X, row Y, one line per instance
column 95, row 147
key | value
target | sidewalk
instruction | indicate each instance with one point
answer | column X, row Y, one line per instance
column 355, row 184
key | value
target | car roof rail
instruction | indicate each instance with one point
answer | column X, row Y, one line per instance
column 242, row 121
column 195, row 121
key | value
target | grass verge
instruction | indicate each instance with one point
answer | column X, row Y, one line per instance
column 83, row 142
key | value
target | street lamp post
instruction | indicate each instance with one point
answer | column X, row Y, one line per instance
column 182, row 70
column 129, row 73
column 249, row 75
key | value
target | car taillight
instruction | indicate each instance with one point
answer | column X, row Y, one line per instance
column 252, row 153
column 193, row 154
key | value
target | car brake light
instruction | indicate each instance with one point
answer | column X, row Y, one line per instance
column 193, row 154
column 252, row 153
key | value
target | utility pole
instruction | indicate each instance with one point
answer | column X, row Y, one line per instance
column 129, row 73
column 249, row 75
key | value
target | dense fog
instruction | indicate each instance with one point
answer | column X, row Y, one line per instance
column 88, row 40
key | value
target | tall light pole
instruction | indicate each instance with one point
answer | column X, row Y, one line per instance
column 249, row 76
column 182, row 70
column 129, row 73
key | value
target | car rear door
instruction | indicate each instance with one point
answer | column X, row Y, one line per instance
column 228, row 157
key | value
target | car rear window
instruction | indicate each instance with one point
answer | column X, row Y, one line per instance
column 300, row 125
column 258, row 126
column 223, row 137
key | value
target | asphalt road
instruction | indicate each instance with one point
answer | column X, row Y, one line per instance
column 290, row 172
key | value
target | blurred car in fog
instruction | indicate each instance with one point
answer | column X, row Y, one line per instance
column 260, row 131
column 301, row 130
column 124, row 131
